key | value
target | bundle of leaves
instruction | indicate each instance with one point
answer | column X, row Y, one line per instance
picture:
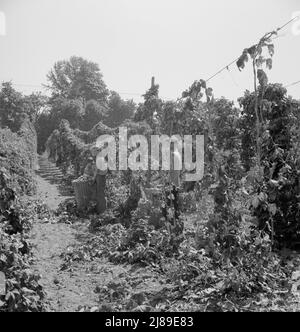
column 68, row 211
column 105, row 241
column 144, row 245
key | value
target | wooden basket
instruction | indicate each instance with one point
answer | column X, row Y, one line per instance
column 83, row 193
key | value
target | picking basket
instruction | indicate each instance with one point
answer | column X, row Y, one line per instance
column 83, row 189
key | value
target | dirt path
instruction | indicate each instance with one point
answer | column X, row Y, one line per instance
column 49, row 179
column 66, row 291
column 80, row 285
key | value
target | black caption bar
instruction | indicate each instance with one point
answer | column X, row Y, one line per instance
column 136, row 321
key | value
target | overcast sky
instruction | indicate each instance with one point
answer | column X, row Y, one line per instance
column 177, row 41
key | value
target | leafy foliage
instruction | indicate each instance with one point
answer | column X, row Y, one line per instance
column 277, row 203
column 70, row 148
column 119, row 110
column 251, row 170
column 17, row 161
column 147, row 111
column 14, row 107
column 23, row 290
column 16, row 166
column 77, row 78
column 94, row 113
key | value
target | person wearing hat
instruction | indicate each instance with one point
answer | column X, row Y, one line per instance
column 98, row 182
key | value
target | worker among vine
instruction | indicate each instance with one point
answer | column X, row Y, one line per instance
column 97, row 182
column 100, row 182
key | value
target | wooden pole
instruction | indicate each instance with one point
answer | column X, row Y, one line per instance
column 152, row 82
column 148, row 184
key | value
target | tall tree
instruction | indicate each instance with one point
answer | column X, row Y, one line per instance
column 94, row 113
column 77, row 78
column 71, row 110
column 14, row 105
column 119, row 110
column 11, row 105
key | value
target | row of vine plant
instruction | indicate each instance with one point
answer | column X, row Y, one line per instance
column 21, row 290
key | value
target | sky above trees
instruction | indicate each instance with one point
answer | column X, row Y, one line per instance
column 177, row 41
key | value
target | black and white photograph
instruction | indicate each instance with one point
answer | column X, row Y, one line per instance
column 149, row 158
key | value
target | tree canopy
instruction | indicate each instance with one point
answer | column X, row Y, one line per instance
column 119, row 110
column 77, row 78
column 14, row 105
